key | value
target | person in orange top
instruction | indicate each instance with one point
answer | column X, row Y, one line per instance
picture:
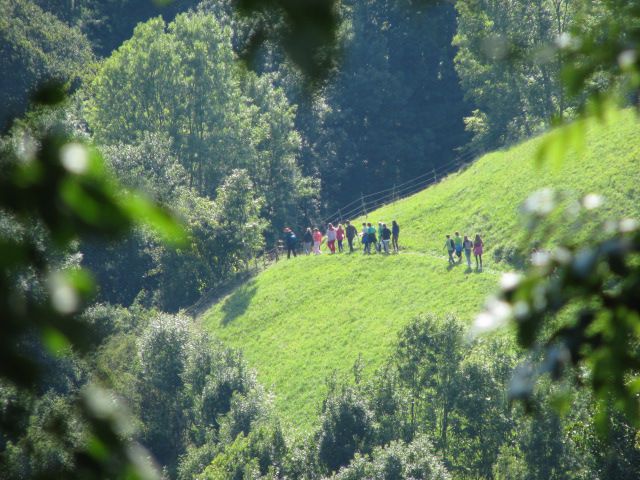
column 317, row 240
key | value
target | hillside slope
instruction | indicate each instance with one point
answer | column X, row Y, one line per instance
column 306, row 317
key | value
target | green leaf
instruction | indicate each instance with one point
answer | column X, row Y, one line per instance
column 55, row 342
column 145, row 212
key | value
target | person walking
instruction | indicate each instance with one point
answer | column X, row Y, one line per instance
column 365, row 239
column 307, row 240
column 467, row 245
column 317, row 240
column 457, row 240
column 331, row 238
column 451, row 247
column 395, row 233
column 371, row 237
column 340, row 237
column 351, row 232
column 478, row 248
column 386, row 238
column 379, row 244
column 290, row 242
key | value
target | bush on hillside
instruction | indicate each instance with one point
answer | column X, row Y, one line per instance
column 347, row 427
column 256, row 455
column 397, row 461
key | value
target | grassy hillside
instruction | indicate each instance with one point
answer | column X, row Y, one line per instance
column 301, row 319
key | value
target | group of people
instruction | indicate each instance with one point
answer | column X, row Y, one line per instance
column 458, row 244
column 382, row 239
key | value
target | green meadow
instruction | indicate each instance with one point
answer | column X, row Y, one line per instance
column 305, row 318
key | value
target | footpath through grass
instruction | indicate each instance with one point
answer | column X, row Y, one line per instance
column 302, row 319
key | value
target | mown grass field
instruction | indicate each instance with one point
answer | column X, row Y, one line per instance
column 302, row 319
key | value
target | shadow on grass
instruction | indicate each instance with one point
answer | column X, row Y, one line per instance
column 454, row 265
column 237, row 303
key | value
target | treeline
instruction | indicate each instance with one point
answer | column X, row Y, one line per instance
column 418, row 84
column 437, row 409
column 177, row 116
column 237, row 154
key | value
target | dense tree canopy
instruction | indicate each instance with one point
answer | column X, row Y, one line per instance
column 508, row 69
column 394, row 109
column 35, row 47
column 235, row 155
column 183, row 81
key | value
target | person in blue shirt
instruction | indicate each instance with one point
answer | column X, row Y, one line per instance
column 290, row 242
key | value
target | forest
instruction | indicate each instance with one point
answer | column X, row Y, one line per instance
column 153, row 153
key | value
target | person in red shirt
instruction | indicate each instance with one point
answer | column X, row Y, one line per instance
column 340, row 237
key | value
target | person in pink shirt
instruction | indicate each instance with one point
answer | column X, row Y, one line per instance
column 331, row 238
column 340, row 237
column 317, row 240
column 478, row 248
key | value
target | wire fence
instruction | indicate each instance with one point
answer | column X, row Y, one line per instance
column 367, row 203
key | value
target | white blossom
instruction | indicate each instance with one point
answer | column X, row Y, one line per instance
column 74, row 158
column 541, row 202
column 592, row 201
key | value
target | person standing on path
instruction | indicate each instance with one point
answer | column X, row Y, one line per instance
column 386, row 237
column 451, row 247
column 467, row 245
column 290, row 242
column 371, row 237
column 478, row 248
column 308, row 241
column 340, row 237
column 457, row 240
column 365, row 238
column 395, row 233
column 351, row 234
column 331, row 238
column 317, row 240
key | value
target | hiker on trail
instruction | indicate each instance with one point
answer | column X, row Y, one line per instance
column 290, row 242
column 395, row 233
column 467, row 245
column 308, row 241
column 351, row 234
column 371, row 237
column 379, row 244
column 478, row 247
column 458, row 242
column 331, row 238
column 317, row 240
column 340, row 237
column 365, row 237
column 451, row 247
column 386, row 238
